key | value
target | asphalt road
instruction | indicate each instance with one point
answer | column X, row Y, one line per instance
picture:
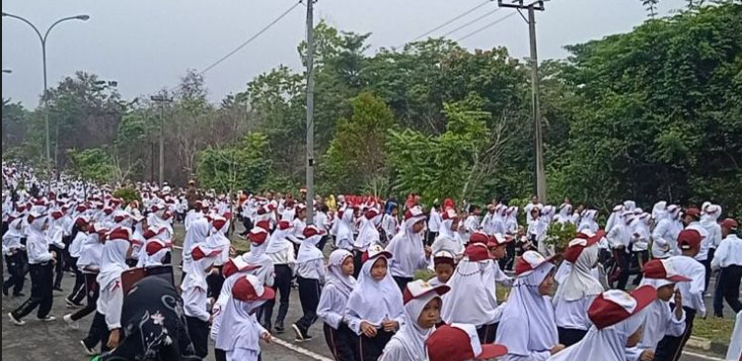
column 56, row 342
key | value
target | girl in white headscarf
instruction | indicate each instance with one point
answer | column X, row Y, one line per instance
column 217, row 241
column 195, row 296
column 588, row 221
column 281, row 252
column 408, row 248
column 110, row 302
column 339, row 285
column 368, row 236
column 197, row 234
column 423, row 305
column 344, row 232
column 311, row 273
column 528, row 327
column 578, row 291
column 375, row 309
column 449, row 239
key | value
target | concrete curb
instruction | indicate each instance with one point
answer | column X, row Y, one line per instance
column 702, row 344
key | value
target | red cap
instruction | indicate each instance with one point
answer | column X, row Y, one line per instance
column 729, row 223
column 237, row 265
column 477, row 253
column 460, row 343
column 371, row 213
column 258, row 236
column 479, row 237
column 414, row 212
column 530, row 261
column 155, row 246
column 249, row 289
column 689, row 239
column 284, row 225
column 219, row 223
column 575, row 248
column 57, row 215
column 693, row 212
column 80, row 222
column 498, row 239
column 264, row 224
column 120, row 234
column 419, row 289
column 374, row 252
column 449, row 214
column 663, row 269
column 312, row 231
column 444, row 257
column 615, row 306
column 200, row 253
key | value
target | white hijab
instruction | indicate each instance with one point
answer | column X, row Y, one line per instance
column 472, row 299
column 588, row 221
column 376, row 301
column 369, row 234
column 113, row 261
column 344, row 233
column 407, row 246
column 278, row 242
column 411, row 335
column 240, row 327
column 198, row 233
column 196, row 276
column 217, row 240
column 608, row 344
column 335, row 277
column 528, row 323
column 580, row 282
column 308, row 250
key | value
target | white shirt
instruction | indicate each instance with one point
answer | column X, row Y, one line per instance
column 331, row 306
column 573, row 314
column 692, row 291
column 703, row 255
column 314, row 270
column 665, row 237
column 286, row 257
column 729, row 253
column 434, row 224
column 111, row 303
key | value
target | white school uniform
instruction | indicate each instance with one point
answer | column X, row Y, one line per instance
column 336, row 292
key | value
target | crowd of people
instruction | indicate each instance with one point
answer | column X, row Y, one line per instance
column 357, row 267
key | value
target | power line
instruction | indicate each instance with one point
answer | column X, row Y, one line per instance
column 470, row 23
column 485, row 27
column 248, row 41
column 453, row 20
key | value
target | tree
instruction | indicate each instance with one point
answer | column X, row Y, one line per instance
column 91, row 166
column 244, row 165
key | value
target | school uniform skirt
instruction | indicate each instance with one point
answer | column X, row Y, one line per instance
column 342, row 342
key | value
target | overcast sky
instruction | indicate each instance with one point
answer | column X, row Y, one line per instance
column 146, row 45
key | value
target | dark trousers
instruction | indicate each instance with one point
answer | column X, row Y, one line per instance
column 199, row 332
column 640, row 258
column 247, row 224
column 671, row 348
column 322, row 243
column 42, row 296
column 370, row 349
column 58, row 267
column 487, row 333
column 570, row 336
column 282, row 285
column 707, row 265
column 215, row 282
column 98, row 333
column 624, row 262
column 342, row 342
column 727, row 288
column 357, row 262
column 92, row 291
column 78, row 292
column 402, row 282
column 17, row 268
column 309, row 294
column 431, row 238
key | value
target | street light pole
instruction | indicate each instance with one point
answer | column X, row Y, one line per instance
column 160, row 99
column 43, row 39
column 310, row 112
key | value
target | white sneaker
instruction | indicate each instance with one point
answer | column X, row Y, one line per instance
column 47, row 319
column 16, row 321
column 71, row 323
column 88, row 351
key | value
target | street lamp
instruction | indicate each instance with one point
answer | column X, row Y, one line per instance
column 43, row 38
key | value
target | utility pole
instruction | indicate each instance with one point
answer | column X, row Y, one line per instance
column 310, row 112
column 161, row 99
column 535, row 92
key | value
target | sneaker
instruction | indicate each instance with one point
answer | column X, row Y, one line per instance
column 70, row 304
column 71, row 323
column 47, row 319
column 280, row 329
column 88, row 351
column 58, row 289
column 299, row 333
column 16, row 321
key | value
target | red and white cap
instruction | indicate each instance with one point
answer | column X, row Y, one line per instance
column 689, row 239
column 414, row 212
column 530, row 261
column 57, row 215
column 311, row 231
column 460, row 342
column 730, row 224
column 154, row 246
column 479, row 237
column 498, row 239
column 420, row 289
column 218, row 223
column 663, row 269
column 284, row 225
column 444, row 257
column 579, row 244
column 200, row 252
column 614, row 306
column 258, row 236
column 374, row 252
column 477, row 253
column 120, row 234
column 250, row 289
column 236, row 265
column 264, row 224
column 371, row 213
column 449, row 214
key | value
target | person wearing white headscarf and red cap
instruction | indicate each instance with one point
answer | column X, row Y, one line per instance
column 281, row 252
column 689, row 242
column 578, row 291
column 241, row 333
column 662, row 320
column 618, row 320
column 369, row 233
column 233, row 271
column 408, row 248
column 375, row 308
column 423, row 304
column 449, row 239
column 340, row 283
column 311, row 273
column 258, row 238
column 459, row 342
column 710, row 222
column 198, row 233
column 195, row 296
column 528, row 326
column 218, row 240
column 116, row 250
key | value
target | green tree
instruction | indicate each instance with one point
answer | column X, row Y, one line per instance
column 244, row 165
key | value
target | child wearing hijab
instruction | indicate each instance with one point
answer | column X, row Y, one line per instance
column 258, row 238
column 408, row 248
column 116, row 251
column 343, row 229
column 578, row 291
column 449, row 238
column 89, row 264
column 218, row 241
column 528, row 326
column 310, row 271
column 367, row 236
column 618, row 319
column 375, row 309
column 422, row 311
column 339, row 285
column 241, row 333
column 195, row 298
column 459, row 342
column 281, row 252
column 233, row 271
column 80, row 229
column 662, row 320
column 444, row 264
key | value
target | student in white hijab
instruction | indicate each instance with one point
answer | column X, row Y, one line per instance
column 459, row 342
column 614, row 218
column 578, row 291
column 422, row 311
column 154, row 254
column 344, row 229
column 588, row 221
column 340, row 283
column 195, row 296
column 233, row 271
column 666, row 231
column 449, row 239
column 241, row 333
column 281, row 252
column 528, row 327
column 196, row 234
column 110, row 302
column 311, row 273
column 369, row 233
column 662, row 320
column 408, row 248
column 618, row 319
column 375, row 308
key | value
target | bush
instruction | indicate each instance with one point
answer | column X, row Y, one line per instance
column 128, row 195
column 559, row 235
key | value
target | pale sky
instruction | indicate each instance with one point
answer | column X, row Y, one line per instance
column 147, row 45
